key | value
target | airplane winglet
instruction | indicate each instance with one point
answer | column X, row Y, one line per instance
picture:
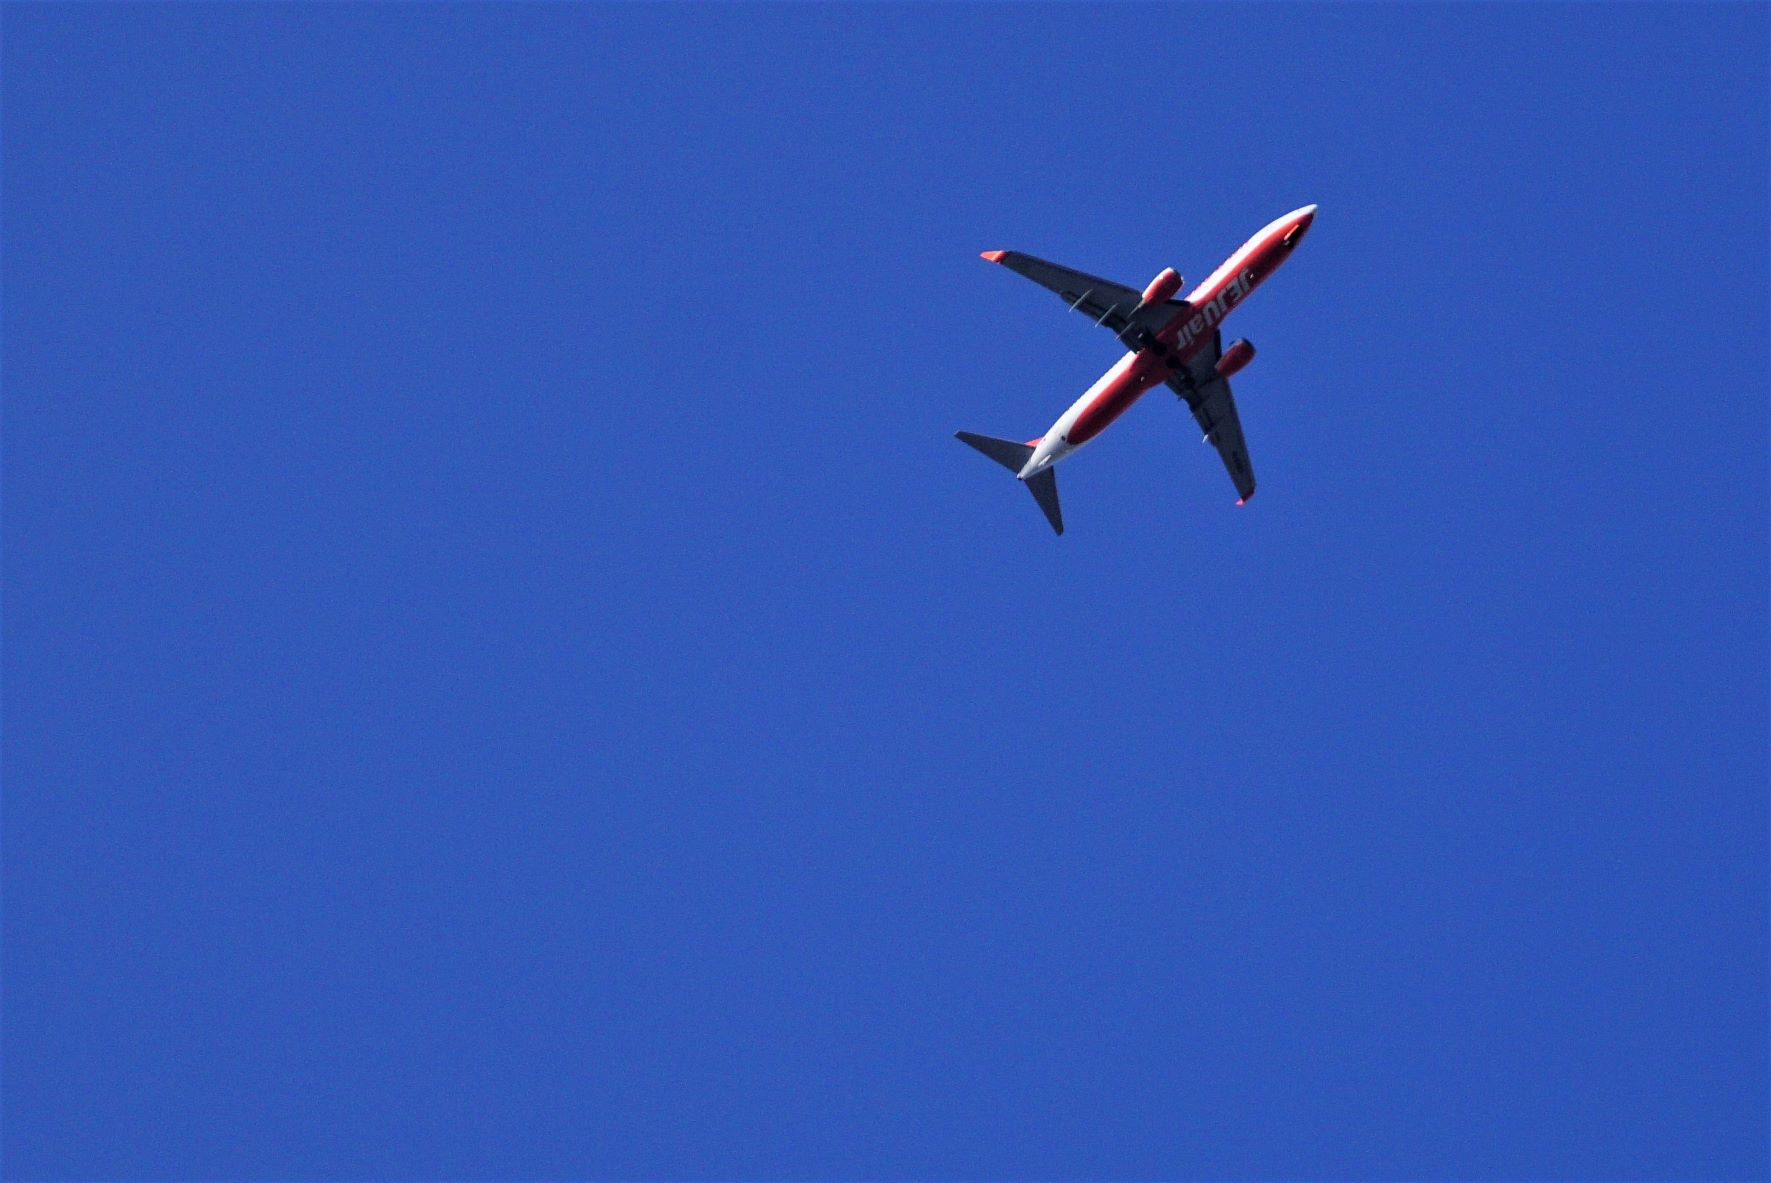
column 993, row 256
column 1241, row 501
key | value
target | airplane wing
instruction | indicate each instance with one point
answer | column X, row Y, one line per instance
column 1208, row 397
column 1101, row 300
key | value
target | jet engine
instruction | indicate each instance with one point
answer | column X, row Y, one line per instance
column 1235, row 357
column 1162, row 288
column 1136, row 336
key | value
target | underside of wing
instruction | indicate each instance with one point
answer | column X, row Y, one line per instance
column 1214, row 408
column 1111, row 305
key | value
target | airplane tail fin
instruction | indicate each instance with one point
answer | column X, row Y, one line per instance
column 1013, row 456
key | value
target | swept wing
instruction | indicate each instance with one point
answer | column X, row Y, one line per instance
column 1108, row 304
column 1208, row 396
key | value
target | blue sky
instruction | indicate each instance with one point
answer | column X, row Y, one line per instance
column 508, row 675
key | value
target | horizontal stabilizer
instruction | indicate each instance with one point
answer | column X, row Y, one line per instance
column 1012, row 456
column 1007, row 453
column 1044, row 487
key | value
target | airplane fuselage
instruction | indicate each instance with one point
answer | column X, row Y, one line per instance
column 1178, row 341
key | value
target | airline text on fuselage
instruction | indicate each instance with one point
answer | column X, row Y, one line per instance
column 1207, row 315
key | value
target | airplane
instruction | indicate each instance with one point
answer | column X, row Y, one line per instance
column 1170, row 341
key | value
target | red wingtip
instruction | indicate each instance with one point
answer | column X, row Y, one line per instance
column 1242, row 501
column 993, row 256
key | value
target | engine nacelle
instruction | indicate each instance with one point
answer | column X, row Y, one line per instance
column 1163, row 287
column 1235, row 357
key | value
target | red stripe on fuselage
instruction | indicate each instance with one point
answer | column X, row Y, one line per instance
column 1115, row 398
column 1210, row 302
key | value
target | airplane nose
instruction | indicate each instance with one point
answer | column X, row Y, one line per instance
column 1299, row 226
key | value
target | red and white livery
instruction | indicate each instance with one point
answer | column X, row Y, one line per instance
column 1169, row 341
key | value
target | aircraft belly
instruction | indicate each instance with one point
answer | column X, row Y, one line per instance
column 1112, row 401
